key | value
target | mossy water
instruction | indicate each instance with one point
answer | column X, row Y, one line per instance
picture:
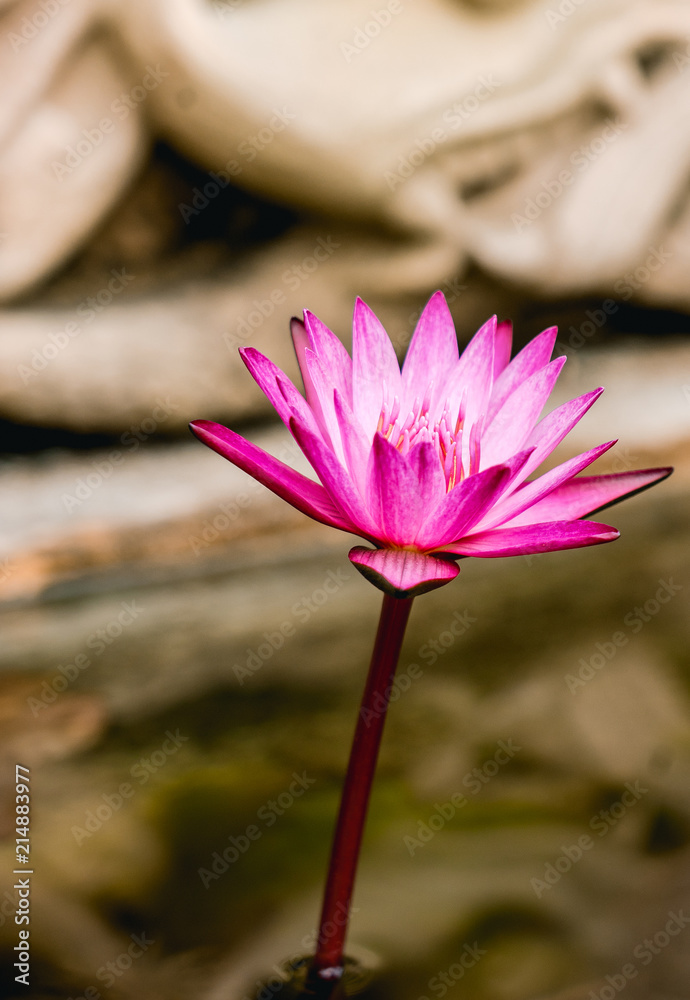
column 439, row 880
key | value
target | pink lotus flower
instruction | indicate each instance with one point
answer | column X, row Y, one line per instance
column 430, row 463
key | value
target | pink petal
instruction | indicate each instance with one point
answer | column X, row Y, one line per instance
column 302, row 341
column 401, row 488
column 502, row 346
column 403, row 573
column 531, row 493
column 550, row 431
column 336, row 480
column 466, row 503
column 374, row 363
column 533, row 538
column 590, row 494
column 356, row 446
column 266, row 376
column 530, row 359
column 433, row 350
column 514, row 422
column 475, row 372
column 287, row 401
column 331, row 353
column 302, row 493
column 323, row 404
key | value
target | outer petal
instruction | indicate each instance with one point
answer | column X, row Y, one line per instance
column 502, row 347
column 337, row 481
column 330, row 353
column 589, row 494
column 313, row 387
column 466, row 503
column 529, row 360
column 374, row 363
column 550, row 431
column 266, row 376
column 302, row 493
column 533, row 538
column 475, row 372
column 356, row 446
column 514, row 422
column 401, row 488
column 531, row 493
column 403, row 573
column 433, row 350
column 323, row 405
column 288, row 402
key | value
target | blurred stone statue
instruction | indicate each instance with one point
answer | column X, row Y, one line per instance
column 545, row 141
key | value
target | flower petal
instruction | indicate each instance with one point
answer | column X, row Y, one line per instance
column 433, row 350
column 302, row 493
column 529, row 360
column 532, row 538
column 474, row 373
column 323, row 405
column 281, row 392
column 266, row 374
column 530, row 494
column 337, row 481
column 403, row 573
column 374, row 364
column 466, row 503
column 356, row 447
column 401, row 488
column 331, row 353
column 551, row 430
column 502, row 346
column 589, row 494
column 302, row 344
column 514, row 422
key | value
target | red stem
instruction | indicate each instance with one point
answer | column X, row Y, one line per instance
column 327, row 964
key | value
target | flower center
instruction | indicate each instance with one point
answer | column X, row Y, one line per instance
column 456, row 444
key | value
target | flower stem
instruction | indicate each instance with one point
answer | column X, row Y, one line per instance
column 327, row 965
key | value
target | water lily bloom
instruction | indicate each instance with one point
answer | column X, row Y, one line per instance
column 430, row 463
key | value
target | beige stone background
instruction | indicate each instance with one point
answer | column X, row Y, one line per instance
column 176, row 180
